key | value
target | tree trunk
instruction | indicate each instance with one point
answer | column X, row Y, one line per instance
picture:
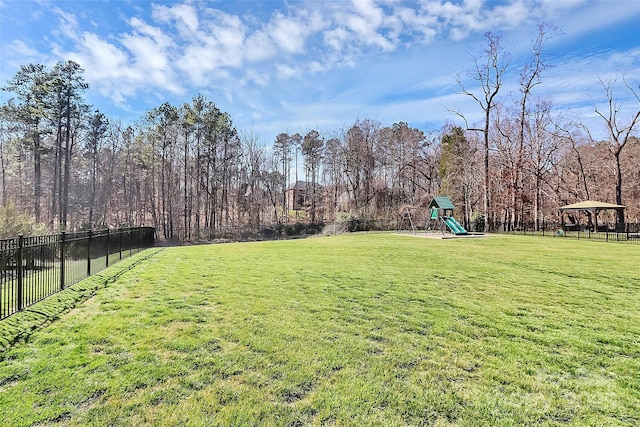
column 94, row 172
column 37, row 177
column 619, row 215
column 187, row 232
column 57, row 183
column 67, row 168
column 486, row 194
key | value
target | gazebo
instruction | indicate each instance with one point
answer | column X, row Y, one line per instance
column 591, row 208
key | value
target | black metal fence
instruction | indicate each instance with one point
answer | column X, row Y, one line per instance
column 630, row 232
column 35, row 267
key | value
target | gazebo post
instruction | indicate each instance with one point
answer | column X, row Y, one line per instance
column 620, row 219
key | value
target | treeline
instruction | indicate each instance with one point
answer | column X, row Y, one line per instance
column 189, row 172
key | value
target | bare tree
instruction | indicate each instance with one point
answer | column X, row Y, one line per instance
column 488, row 72
column 570, row 135
column 360, row 162
column 529, row 79
column 253, row 163
column 545, row 149
column 619, row 134
column 398, row 153
column 333, row 170
column 110, row 160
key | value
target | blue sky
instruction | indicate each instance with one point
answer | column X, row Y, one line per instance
column 298, row 65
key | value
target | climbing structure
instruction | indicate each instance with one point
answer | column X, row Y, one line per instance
column 441, row 216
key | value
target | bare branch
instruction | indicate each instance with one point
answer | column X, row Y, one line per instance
column 466, row 123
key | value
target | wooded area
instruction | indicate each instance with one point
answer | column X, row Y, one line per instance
column 189, row 172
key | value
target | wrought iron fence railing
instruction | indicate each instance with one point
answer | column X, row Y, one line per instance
column 629, row 232
column 35, row 267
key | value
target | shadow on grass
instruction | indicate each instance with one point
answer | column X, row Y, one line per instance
column 20, row 326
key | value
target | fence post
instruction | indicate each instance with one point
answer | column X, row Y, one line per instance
column 130, row 241
column 89, row 255
column 120, row 239
column 62, row 244
column 20, row 295
column 107, row 265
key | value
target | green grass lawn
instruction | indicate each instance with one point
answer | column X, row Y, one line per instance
column 45, row 281
column 365, row 329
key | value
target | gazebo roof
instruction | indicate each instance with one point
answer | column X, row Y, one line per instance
column 591, row 205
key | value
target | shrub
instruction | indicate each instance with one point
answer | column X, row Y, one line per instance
column 13, row 223
column 477, row 221
column 291, row 230
column 351, row 221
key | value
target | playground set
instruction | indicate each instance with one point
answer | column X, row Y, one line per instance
column 440, row 218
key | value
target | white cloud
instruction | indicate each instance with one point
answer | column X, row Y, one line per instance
column 316, row 67
column 18, row 48
column 213, row 50
column 445, row 11
column 288, row 33
column 510, row 15
column 553, row 7
column 68, row 23
column 151, row 56
column 259, row 47
column 460, row 20
column 423, row 24
column 336, row 38
column 140, row 61
column 367, row 23
column 106, row 60
column 259, row 78
column 228, row 31
column 286, row 71
column 141, row 28
column 184, row 14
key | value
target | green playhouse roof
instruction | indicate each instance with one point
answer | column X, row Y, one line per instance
column 441, row 202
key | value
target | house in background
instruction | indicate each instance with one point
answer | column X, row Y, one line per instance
column 298, row 195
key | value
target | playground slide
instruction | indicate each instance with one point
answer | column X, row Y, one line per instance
column 451, row 225
column 460, row 227
column 454, row 225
